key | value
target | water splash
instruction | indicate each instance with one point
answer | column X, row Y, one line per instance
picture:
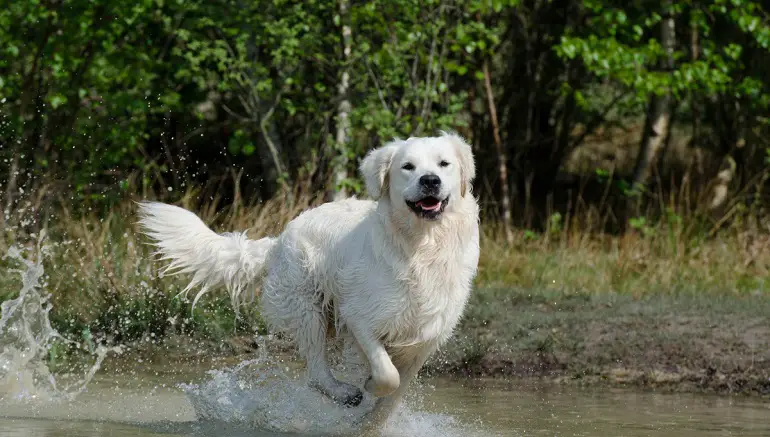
column 26, row 335
column 263, row 394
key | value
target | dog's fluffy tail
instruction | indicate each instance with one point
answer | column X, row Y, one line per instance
column 228, row 259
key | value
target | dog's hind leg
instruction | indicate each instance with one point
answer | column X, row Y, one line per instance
column 311, row 342
column 298, row 314
column 292, row 302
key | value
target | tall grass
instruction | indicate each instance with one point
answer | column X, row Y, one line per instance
column 105, row 284
column 657, row 258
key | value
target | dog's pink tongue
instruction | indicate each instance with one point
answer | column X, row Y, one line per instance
column 431, row 206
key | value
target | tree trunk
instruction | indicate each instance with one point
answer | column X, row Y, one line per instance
column 695, row 143
column 505, row 196
column 270, row 136
column 694, row 55
column 342, row 140
column 659, row 112
column 260, row 110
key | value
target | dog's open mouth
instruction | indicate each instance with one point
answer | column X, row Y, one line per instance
column 428, row 207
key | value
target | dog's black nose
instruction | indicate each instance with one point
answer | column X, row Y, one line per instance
column 430, row 181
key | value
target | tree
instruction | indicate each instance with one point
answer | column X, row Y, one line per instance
column 721, row 76
column 101, row 99
column 502, row 157
column 342, row 141
column 658, row 124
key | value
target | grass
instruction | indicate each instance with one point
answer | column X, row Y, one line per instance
column 565, row 302
column 104, row 282
column 633, row 264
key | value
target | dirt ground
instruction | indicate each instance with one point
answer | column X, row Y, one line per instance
column 684, row 342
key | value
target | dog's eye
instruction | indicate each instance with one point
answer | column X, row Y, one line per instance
column 444, row 163
column 408, row 166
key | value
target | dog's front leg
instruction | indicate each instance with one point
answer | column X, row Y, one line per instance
column 385, row 378
column 408, row 364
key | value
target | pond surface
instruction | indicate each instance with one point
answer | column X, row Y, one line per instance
column 148, row 405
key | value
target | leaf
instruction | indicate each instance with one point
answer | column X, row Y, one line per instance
column 57, row 100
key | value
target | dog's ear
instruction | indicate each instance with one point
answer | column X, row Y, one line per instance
column 465, row 158
column 375, row 168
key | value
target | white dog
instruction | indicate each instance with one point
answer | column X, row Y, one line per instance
column 395, row 272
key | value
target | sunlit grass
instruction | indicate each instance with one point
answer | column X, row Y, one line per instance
column 104, row 281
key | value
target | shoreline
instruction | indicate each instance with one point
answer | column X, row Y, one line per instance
column 698, row 343
column 690, row 342
column 699, row 381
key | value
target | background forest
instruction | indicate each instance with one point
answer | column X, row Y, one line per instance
column 571, row 105
column 621, row 147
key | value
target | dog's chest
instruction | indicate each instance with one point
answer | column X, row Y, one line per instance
column 429, row 300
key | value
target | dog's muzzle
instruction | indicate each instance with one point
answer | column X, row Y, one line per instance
column 430, row 205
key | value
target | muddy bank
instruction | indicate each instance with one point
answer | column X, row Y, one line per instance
column 687, row 341
column 748, row 381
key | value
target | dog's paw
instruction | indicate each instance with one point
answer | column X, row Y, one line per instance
column 342, row 393
column 383, row 387
column 370, row 385
column 385, row 379
column 353, row 400
column 346, row 395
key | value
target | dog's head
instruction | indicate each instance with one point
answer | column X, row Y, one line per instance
column 427, row 176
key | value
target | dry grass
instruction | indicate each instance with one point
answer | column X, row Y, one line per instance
column 661, row 261
column 103, row 279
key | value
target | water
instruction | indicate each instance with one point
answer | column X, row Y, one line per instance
column 265, row 396
column 26, row 336
column 117, row 406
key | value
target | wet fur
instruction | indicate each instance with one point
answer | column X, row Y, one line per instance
column 397, row 284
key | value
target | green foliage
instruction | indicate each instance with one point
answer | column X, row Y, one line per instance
column 640, row 224
column 101, row 96
column 555, row 224
column 623, row 45
column 408, row 53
